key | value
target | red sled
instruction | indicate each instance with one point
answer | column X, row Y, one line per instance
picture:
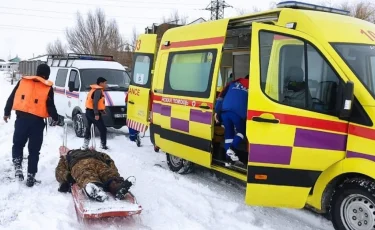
column 90, row 209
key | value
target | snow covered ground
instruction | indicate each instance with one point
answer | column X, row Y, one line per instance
column 170, row 201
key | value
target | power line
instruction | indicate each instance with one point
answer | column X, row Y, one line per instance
column 151, row 2
column 53, row 17
column 217, row 9
column 77, row 3
column 60, row 12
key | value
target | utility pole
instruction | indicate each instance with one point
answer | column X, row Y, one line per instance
column 217, row 9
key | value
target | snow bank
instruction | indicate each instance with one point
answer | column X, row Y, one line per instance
column 170, row 201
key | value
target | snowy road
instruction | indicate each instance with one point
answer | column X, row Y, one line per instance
column 170, row 201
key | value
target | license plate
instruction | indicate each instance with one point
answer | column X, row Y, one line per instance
column 120, row 115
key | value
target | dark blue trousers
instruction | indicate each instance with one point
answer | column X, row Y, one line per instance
column 235, row 128
column 133, row 134
column 28, row 129
column 98, row 123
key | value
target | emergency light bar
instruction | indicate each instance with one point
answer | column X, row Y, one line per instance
column 308, row 6
column 73, row 56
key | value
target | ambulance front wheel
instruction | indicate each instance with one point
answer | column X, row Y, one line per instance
column 352, row 205
column 179, row 165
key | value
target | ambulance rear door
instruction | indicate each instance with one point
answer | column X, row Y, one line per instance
column 141, row 80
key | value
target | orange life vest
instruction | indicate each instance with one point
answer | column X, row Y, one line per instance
column 31, row 96
column 90, row 100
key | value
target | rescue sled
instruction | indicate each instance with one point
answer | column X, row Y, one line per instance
column 90, row 209
column 87, row 208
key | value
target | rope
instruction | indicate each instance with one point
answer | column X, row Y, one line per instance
column 93, row 143
column 65, row 138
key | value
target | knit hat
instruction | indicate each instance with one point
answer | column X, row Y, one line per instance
column 100, row 80
column 43, row 71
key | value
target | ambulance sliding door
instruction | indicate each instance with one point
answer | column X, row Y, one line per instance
column 186, row 104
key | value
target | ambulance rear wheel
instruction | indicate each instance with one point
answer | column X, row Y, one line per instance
column 179, row 165
column 79, row 125
column 352, row 205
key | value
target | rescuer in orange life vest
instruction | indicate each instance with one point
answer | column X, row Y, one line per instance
column 33, row 101
column 95, row 106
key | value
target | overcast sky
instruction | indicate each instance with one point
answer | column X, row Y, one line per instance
column 26, row 26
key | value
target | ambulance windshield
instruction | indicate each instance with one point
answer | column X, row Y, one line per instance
column 361, row 60
column 117, row 80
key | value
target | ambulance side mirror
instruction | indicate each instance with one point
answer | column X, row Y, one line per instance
column 347, row 100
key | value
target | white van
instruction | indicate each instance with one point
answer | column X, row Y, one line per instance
column 72, row 76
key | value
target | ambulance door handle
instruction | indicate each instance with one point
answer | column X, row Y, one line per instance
column 204, row 107
column 131, row 102
column 261, row 119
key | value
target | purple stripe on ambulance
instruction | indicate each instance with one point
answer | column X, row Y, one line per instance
column 156, row 108
column 270, row 154
column 351, row 154
column 200, row 116
column 166, row 110
column 320, row 140
column 180, row 124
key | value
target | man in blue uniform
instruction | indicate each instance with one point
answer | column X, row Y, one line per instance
column 231, row 110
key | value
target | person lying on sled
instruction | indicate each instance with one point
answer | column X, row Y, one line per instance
column 94, row 172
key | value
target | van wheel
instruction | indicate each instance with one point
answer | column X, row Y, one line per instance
column 79, row 125
column 179, row 165
column 117, row 127
column 352, row 205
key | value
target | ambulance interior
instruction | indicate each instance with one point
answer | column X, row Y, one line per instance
column 235, row 64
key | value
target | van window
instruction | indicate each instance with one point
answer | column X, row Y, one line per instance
column 74, row 77
column 141, row 70
column 190, row 73
column 287, row 79
column 61, row 77
column 361, row 60
column 117, row 80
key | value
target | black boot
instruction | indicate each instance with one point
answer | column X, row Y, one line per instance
column 103, row 146
column 119, row 188
column 19, row 173
column 30, row 180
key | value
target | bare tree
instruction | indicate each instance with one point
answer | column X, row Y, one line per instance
column 248, row 11
column 56, row 47
column 364, row 10
column 95, row 35
column 130, row 48
column 175, row 18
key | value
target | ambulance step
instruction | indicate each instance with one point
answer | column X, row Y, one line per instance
column 239, row 169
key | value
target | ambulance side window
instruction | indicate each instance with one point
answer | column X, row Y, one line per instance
column 295, row 73
column 142, row 70
column 61, row 77
column 189, row 73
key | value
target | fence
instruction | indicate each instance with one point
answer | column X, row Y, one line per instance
column 28, row 68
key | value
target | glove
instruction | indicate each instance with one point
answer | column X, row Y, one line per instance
column 64, row 187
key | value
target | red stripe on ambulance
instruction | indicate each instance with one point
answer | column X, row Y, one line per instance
column 303, row 121
column 196, row 42
column 179, row 101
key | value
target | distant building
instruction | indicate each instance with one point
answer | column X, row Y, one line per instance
column 197, row 21
column 15, row 60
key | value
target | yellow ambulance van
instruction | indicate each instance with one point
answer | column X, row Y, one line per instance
column 311, row 106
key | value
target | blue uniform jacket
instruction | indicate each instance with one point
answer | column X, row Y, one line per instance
column 234, row 98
